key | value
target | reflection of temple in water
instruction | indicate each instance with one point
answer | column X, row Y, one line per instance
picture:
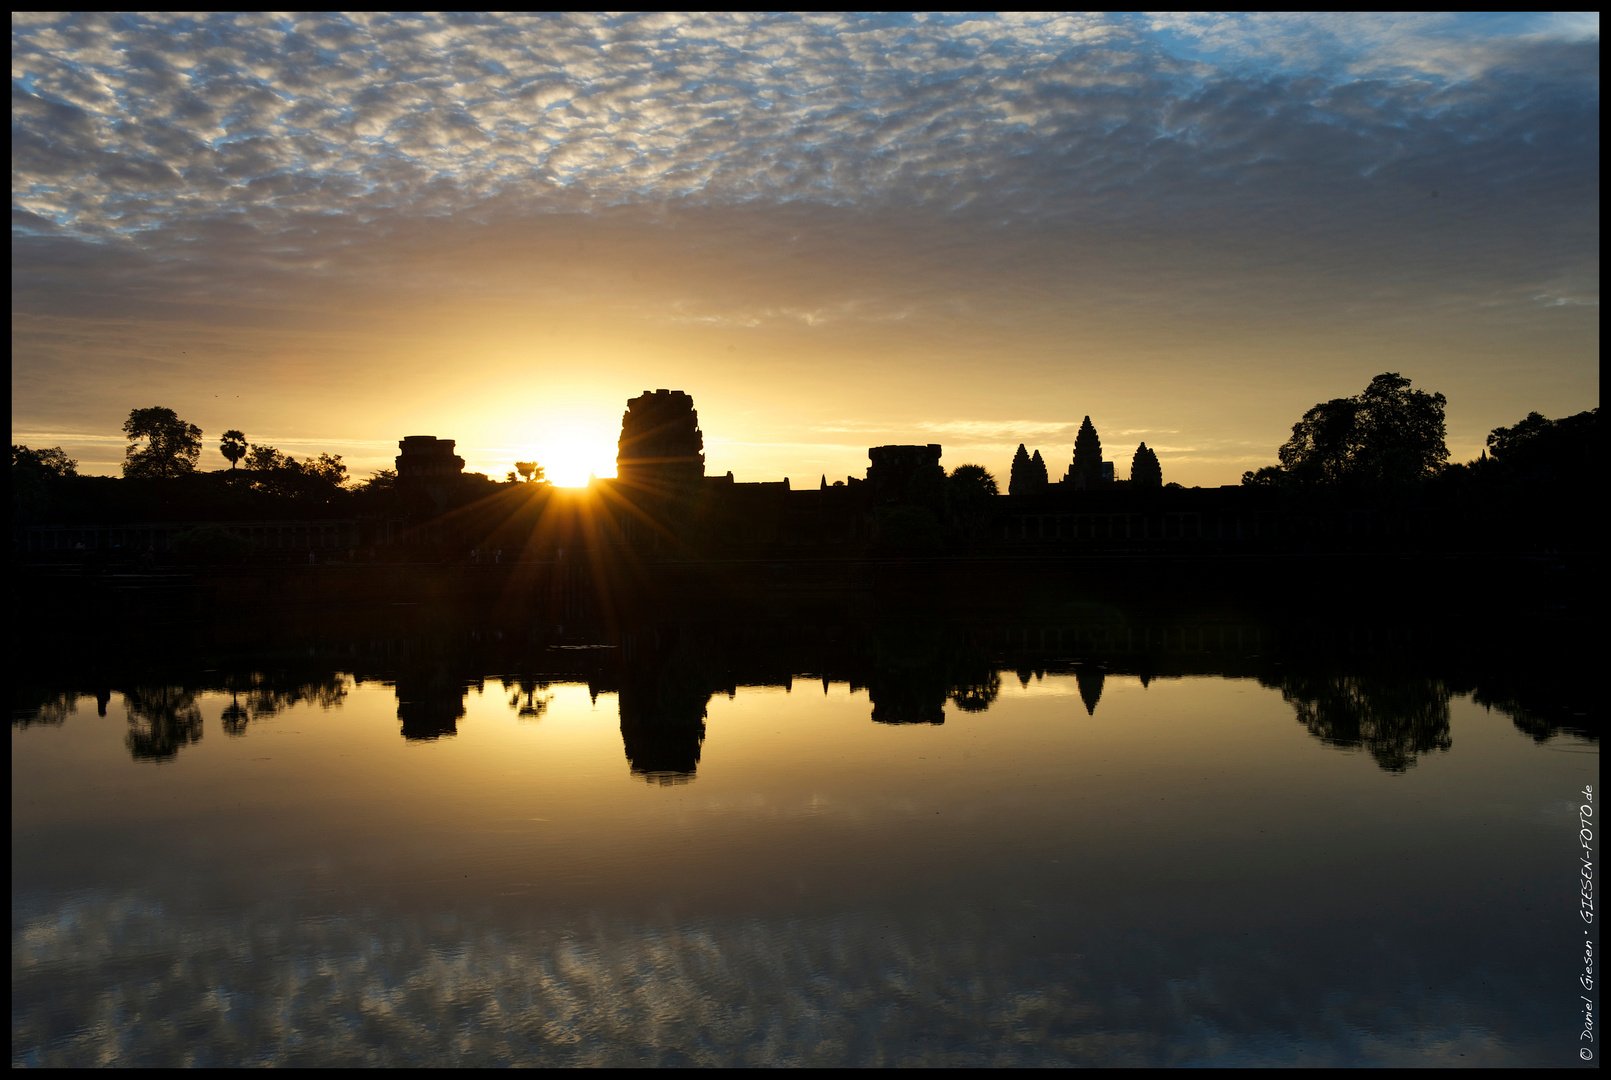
column 430, row 701
column 1089, row 679
column 665, row 685
column 1354, row 680
column 907, row 696
column 662, row 729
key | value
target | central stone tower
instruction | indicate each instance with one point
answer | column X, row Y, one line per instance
column 428, row 464
column 661, row 448
column 893, row 468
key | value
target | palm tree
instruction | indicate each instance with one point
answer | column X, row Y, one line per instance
column 232, row 446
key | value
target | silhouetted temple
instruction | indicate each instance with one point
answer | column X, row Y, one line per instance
column 661, row 447
column 894, row 467
column 423, row 456
column 427, row 467
column 662, row 506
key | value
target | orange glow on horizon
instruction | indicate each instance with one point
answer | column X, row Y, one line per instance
column 569, row 449
column 570, row 464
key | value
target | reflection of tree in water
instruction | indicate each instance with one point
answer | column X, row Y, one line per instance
column 235, row 718
column 260, row 694
column 162, row 720
column 1090, row 680
column 523, row 698
column 32, row 706
column 1541, row 708
column 1395, row 718
column 978, row 693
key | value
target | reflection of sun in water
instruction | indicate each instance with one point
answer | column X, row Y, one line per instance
column 570, row 451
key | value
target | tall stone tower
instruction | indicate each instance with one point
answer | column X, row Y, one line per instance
column 1144, row 469
column 661, row 448
column 893, row 468
column 428, row 464
column 1021, row 479
column 1086, row 470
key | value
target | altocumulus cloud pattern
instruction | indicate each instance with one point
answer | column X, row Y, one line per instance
column 170, row 126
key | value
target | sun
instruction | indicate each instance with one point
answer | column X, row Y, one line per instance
column 569, row 452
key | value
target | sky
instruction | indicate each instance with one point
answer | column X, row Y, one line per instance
column 834, row 231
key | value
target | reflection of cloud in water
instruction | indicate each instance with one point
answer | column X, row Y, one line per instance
column 262, row 988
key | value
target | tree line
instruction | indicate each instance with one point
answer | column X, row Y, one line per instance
column 162, row 446
column 1390, row 439
column 1386, row 445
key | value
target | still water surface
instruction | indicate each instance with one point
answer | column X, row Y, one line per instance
column 1177, row 872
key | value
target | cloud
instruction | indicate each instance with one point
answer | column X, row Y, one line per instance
column 225, row 155
column 910, row 193
column 129, row 124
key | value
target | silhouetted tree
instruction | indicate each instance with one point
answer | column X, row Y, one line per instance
column 273, row 472
column 1086, row 469
column 1267, row 476
column 972, row 491
column 1021, row 478
column 35, row 475
column 1543, row 448
column 1145, row 472
column 1324, row 444
column 1403, row 431
column 1037, row 467
column 973, row 481
column 232, row 446
column 52, row 463
column 1390, row 434
column 380, row 480
column 326, row 469
column 171, row 446
column 267, row 459
column 316, row 478
column 530, row 471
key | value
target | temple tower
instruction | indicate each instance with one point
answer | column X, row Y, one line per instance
column 1088, row 470
column 661, row 447
column 426, row 463
column 893, row 468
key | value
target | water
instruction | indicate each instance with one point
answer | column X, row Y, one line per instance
column 898, row 849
